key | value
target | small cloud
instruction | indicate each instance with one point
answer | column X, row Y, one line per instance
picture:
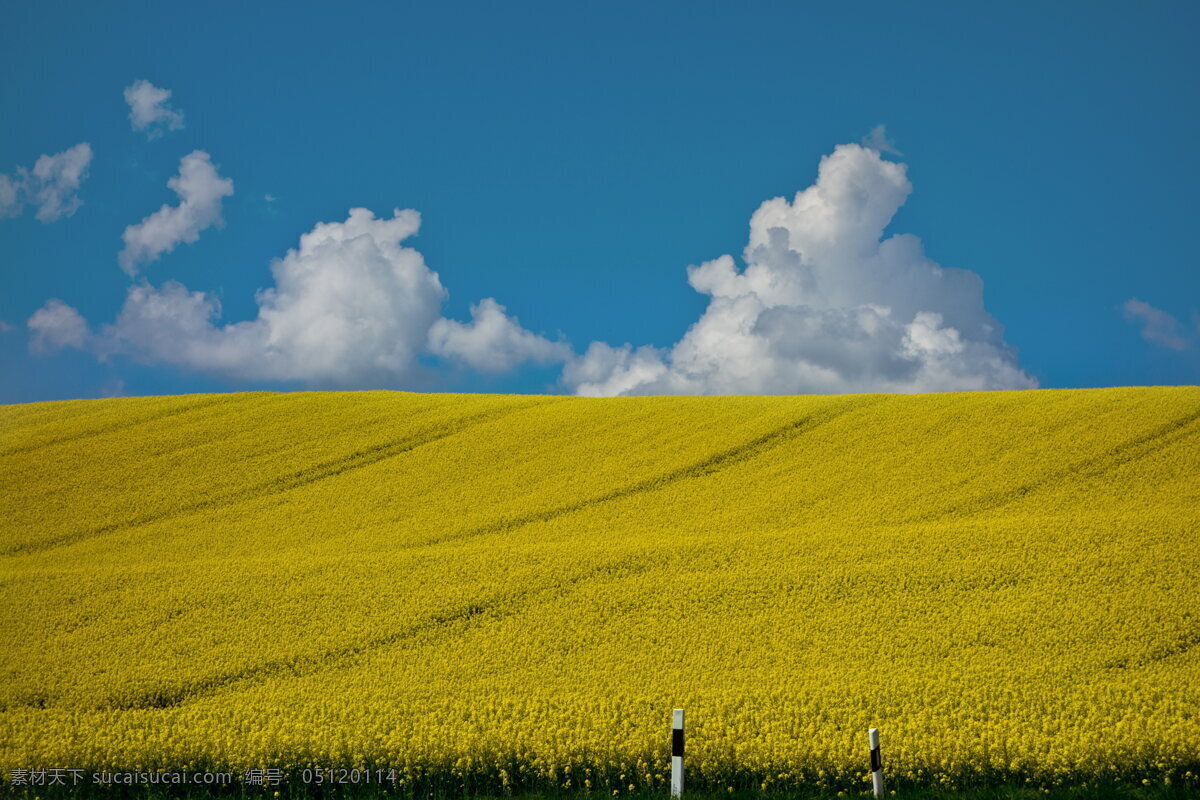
column 10, row 196
column 148, row 109
column 200, row 189
column 878, row 141
column 113, row 388
column 1158, row 326
column 57, row 325
column 56, row 180
column 270, row 198
column 52, row 185
column 493, row 341
column 5, row 327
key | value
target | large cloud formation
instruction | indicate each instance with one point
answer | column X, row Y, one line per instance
column 825, row 304
column 52, row 185
column 200, row 190
column 350, row 306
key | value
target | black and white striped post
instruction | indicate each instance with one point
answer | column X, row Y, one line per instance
column 876, row 764
column 677, row 754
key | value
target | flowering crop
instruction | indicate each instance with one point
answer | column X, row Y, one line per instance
column 504, row 591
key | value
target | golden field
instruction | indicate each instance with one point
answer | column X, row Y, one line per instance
column 516, row 591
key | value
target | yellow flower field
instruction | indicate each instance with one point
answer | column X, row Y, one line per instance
column 516, row 591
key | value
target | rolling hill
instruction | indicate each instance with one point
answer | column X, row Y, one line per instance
column 500, row 591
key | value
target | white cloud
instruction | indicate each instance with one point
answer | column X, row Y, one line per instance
column 1158, row 326
column 55, row 181
column 57, row 325
column 148, row 109
column 824, row 305
column 200, row 190
column 605, row 371
column 10, row 197
column 6, row 327
column 349, row 304
column 878, row 140
column 52, row 185
column 113, row 388
column 493, row 341
column 350, row 307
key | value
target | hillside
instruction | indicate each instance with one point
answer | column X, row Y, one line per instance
column 493, row 589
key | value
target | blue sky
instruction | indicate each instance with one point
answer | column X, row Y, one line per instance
column 572, row 161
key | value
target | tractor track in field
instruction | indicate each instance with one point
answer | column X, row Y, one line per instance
column 349, row 655
column 700, row 469
column 1134, row 449
column 115, row 427
column 279, row 485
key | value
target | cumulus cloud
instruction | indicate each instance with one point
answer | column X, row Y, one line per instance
column 200, row 190
column 350, row 306
column 57, row 325
column 149, row 111
column 1158, row 326
column 822, row 302
column 493, row 341
column 825, row 304
column 52, row 185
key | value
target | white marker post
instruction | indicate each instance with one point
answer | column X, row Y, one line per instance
column 677, row 754
column 876, row 764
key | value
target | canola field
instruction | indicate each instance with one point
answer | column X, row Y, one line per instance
column 499, row 592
